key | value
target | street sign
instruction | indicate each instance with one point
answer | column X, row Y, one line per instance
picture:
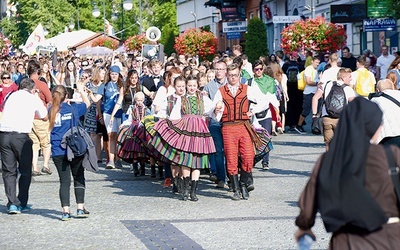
column 285, row 19
column 237, row 26
column 233, row 35
column 381, row 24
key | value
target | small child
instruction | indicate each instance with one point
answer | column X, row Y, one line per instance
column 129, row 140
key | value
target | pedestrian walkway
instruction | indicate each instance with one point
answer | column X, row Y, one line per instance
column 130, row 212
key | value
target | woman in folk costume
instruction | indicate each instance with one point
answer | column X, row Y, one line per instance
column 184, row 137
column 352, row 187
column 130, row 138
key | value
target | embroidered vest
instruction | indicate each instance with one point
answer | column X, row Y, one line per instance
column 236, row 108
column 192, row 105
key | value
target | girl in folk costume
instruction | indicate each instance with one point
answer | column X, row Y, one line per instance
column 184, row 138
column 160, row 111
column 130, row 138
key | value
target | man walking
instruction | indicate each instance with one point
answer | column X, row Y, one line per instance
column 383, row 62
column 15, row 144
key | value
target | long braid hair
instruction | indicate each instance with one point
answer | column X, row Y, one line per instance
column 59, row 93
column 199, row 99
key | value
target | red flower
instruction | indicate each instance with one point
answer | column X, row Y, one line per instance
column 105, row 42
column 196, row 42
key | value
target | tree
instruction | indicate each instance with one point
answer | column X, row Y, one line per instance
column 256, row 39
column 394, row 8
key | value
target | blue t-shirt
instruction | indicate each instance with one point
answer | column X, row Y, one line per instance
column 110, row 96
column 62, row 124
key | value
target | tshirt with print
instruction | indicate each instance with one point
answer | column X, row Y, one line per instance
column 62, row 124
column 110, row 94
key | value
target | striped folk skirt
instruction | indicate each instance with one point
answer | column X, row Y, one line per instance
column 186, row 142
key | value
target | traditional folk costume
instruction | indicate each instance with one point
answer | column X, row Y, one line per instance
column 130, row 138
column 184, row 138
column 237, row 132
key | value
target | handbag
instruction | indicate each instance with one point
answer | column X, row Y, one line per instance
column 262, row 114
column 316, row 126
column 75, row 140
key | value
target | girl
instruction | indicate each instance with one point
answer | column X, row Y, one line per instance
column 68, row 77
column 184, row 137
column 60, row 115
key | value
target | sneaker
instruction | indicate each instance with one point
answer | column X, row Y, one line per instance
column 65, row 216
column 300, row 130
column 213, row 178
column 27, row 208
column 221, row 184
column 274, row 133
column 82, row 213
column 167, row 183
column 280, row 130
column 36, row 173
column 118, row 164
column 265, row 165
column 110, row 165
column 14, row 210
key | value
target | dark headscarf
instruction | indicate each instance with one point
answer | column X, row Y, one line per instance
column 342, row 197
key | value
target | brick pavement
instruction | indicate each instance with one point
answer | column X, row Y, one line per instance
column 137, row 213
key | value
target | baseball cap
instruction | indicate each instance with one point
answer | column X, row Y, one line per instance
column 115, row 69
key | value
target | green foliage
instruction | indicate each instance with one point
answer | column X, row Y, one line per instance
column 394, row 8
column 256, row 39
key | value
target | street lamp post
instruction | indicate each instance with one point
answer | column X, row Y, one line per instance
column 96, row 13
column 195, row 19
column 126, row 5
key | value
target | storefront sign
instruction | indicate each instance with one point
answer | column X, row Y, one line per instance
column 381, row 24
column 285, row 19
column 239, row 26
column 348, row 13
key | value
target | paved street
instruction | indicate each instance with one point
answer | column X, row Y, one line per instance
column 130, row 212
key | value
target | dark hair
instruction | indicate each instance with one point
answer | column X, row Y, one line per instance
column 257, row 63
column 362, row 60
column 239, row 61
column 128, row 81
column 59, row 93
column 33, row 67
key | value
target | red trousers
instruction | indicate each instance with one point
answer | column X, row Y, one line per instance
column 237, row 141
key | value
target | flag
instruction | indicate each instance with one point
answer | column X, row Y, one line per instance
column 109, row 28
column 35, row 39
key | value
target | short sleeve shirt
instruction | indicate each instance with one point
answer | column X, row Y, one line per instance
column 110, row 93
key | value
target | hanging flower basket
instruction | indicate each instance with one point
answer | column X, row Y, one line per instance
column 105, row 42
column 196, row 42
column 134, row 43
column 316, row 35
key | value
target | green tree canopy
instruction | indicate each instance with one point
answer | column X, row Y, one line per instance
column 256, row 39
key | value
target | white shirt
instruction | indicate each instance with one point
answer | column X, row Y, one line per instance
column 313, row 74
column 384, row 62
column 176, row 110
column 160, row 100
column 19, row 112
column 391, row 117
column 253, row 94
column 330, row 75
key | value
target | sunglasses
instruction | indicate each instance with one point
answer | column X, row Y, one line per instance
column 258, row 69
column 5, row 77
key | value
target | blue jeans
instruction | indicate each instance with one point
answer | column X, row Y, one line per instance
column 217, row 162
column 267, row 124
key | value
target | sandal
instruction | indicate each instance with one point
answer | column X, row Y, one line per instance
column 36, row 173
column 46, row 171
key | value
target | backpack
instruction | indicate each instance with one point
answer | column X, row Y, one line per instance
column 335, row 100
column 291, row 73
column 365, row 83
column 301, row 81
column 75, row 140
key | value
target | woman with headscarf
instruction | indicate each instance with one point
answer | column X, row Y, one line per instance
column 351, row 186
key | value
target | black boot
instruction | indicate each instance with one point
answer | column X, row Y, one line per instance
column 142, row 169
column 250, row 182
column 193, row 190
column 161, row 172
column 236, row 187
column 153, row 171
column 244, row 176
column 175, row 184
column 185, row 188
column 135, row 169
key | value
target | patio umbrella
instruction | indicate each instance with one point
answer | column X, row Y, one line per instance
column 95, row 51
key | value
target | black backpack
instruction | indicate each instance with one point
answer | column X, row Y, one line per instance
column 291, row 73
column 335, row 100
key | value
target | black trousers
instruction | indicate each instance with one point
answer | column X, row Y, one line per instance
column 16, row 154
column 64, row 169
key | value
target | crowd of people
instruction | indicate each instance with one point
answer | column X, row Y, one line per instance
column 176, row 116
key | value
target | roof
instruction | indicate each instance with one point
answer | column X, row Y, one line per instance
column 66, row 40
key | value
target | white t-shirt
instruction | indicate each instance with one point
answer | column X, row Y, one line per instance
column 313, row 73
column 384, row 62
column 330, row 75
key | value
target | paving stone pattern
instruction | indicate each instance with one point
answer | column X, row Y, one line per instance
column 130, row 212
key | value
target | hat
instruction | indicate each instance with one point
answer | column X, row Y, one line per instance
column 115, row 69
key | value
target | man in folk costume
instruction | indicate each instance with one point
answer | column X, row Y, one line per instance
column 232, row 108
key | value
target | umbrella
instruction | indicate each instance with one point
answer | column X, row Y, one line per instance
column 98, row 51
